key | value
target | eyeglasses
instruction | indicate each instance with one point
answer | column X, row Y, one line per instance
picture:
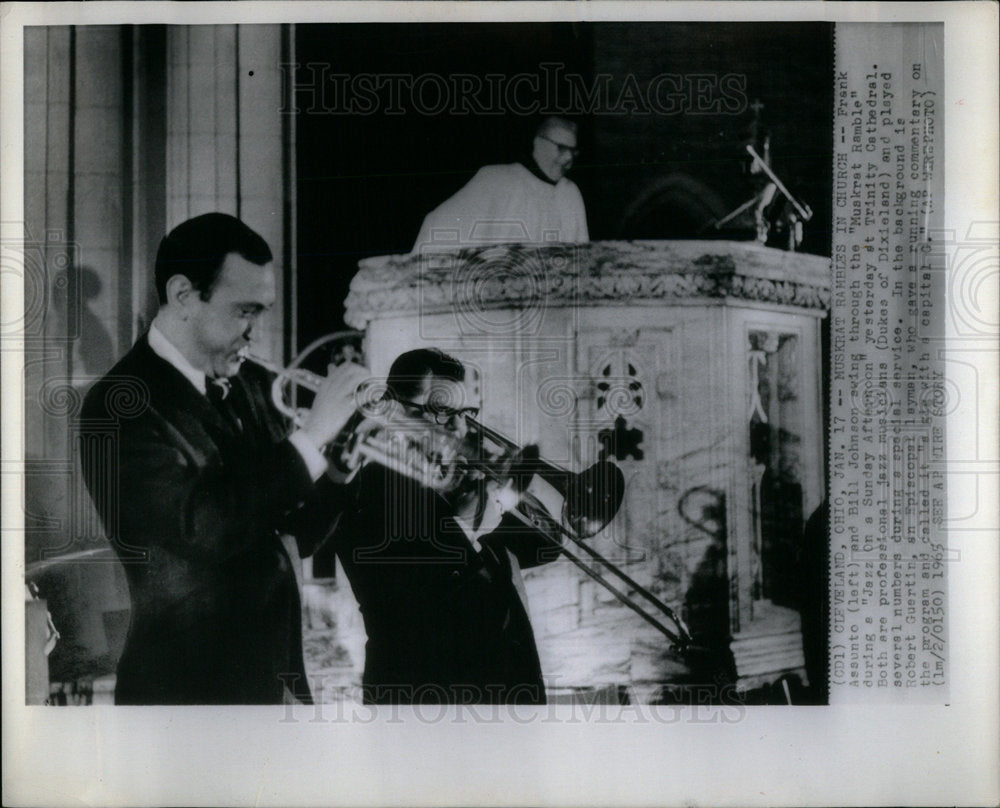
column 572, row 151
column 439, row 414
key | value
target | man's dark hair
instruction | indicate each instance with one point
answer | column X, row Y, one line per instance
column 408, row 371
column 197, row 249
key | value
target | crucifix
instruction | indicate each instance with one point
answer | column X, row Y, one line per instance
column 761, row 164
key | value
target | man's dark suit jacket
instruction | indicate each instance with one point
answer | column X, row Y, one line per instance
column 445, row 623
column 194, row 504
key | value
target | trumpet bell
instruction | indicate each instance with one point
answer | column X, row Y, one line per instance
column 410, row 446
column 593, row 497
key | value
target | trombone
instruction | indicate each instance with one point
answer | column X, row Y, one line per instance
column 439, row 460
column 591, row 499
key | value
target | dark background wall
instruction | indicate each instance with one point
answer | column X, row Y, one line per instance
column 660, row 168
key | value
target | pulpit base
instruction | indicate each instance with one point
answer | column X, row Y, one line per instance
column 770, row 648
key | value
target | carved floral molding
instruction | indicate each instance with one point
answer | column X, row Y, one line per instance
column 616, row 273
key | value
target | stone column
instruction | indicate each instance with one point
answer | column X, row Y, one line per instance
column 228, row 144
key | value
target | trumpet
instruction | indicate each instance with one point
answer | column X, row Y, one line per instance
column 381, row 433
column 295, row 375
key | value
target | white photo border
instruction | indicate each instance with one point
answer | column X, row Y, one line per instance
column 772, row 756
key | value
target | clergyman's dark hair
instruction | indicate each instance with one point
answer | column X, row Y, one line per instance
column 552, row 122
column 408, row 371
column 198, row 247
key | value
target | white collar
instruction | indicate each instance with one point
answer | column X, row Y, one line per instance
column 546, row 182
column 470, row 534
column 166, row 350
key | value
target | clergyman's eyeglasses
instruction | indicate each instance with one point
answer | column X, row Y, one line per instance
column 563, row 148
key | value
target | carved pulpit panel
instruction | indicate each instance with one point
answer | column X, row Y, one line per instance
column 692, row 365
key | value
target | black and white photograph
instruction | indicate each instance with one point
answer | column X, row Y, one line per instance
column 399, row 382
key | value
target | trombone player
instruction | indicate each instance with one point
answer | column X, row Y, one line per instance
column 437, row 576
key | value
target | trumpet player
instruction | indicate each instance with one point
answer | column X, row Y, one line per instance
column 437, row 576
column 197, row 480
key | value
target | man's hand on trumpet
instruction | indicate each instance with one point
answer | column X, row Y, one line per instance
column 334, row 404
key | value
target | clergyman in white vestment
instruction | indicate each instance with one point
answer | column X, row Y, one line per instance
column 528, row 202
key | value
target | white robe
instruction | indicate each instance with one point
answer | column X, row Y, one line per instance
column 503, row 204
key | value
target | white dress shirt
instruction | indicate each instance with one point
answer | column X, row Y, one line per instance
column 166, row 350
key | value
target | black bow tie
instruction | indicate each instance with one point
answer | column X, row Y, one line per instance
column 217, row 390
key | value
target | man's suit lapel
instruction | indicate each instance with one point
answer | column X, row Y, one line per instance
column 454, row 541
column 179, row 401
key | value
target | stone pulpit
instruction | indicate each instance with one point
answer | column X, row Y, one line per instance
column 696, row 366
